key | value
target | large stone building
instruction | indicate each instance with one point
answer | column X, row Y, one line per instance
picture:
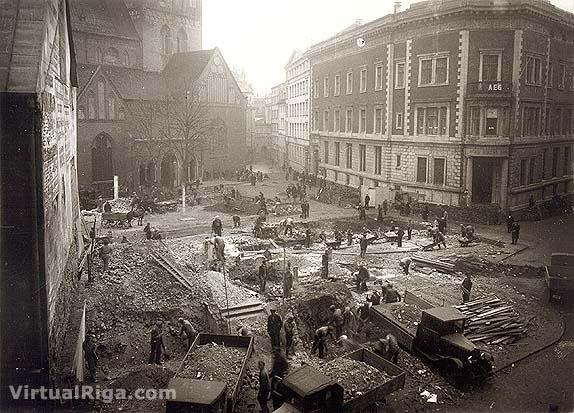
column 298, row 85
column 40, row 221
column 131, row 53
column 450, row 102
column 277, row 102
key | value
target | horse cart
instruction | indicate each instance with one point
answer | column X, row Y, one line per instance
column 116, row 219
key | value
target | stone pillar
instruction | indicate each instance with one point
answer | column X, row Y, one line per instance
column 116, row 187
column 504, row 184
column 469, row 178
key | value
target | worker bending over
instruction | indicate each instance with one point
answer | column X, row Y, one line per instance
column 388, row 348
column 320, row 340
column 405, row 263
column 189, row 331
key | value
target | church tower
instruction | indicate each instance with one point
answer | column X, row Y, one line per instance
column 166, row 27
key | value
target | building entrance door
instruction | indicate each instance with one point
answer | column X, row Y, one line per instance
column 482, row 179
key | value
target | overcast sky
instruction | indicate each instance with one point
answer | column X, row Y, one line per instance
column 259, row 35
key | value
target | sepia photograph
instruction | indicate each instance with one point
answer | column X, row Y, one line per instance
column 291, row 206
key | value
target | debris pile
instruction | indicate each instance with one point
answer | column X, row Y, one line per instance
column 408, row 314
column 491, row 321
column 236, row 295
column 356, row 377
column 442, row 266
column 214, row 362
column 243, row 206
column 121, row 204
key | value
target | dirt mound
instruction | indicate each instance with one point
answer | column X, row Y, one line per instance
column 243, row 206
column 312, row 306
column 144, row 377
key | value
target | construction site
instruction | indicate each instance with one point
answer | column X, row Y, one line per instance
column 180, row 275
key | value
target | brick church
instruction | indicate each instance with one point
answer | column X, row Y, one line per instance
column 153, row 107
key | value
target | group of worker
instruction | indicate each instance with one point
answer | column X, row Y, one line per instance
column 263, row 276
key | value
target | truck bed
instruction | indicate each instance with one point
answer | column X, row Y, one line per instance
column 242, row 342
column 559, row 278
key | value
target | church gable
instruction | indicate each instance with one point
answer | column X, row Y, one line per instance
column 218, row 83
column 99, row 100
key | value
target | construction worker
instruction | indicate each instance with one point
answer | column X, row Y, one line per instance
column 349, row 320
column 509, row 222
column 307, row 238
column 375, row 298
column 262, row 275
column 379, row 213
column 105, row 254
column 367, row 200
column 515, row 232
column 405, row 263
column 440, row 239
column 466, row 286
column 278, row 371
column 363, row 245
column 289, row 327
column 219, row 243
column 274, row 325
column 400, row 235
column 337, row 320
column 349, row 237
column 236, row 221
column 287, row 281
column 385, row 207
column 288, row 223
column 388, row 348
column 188, row 329
column 325, row 265
column 320, row 339
column 217, row 226
column 157, row 344
column 410, row 230
column 90, row 356
column 264, row 385
column 361, row 278
column 392, row 295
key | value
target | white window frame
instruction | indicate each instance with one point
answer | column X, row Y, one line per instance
column 399, row 116
column 363, row 80
column 398, row 161
column 362, row 158
column 362, row 124
column 336, row 120
column 433, row 105
column 349, row 85
column 326, row 120
column 379, row 66
column 532, row 82
column 378, row 107
column 496, row 52
column 337, row 90
column 562, row 80
column 550, row 75
column 433, row 57
column 349, row 128
column 403, row 63
column 326, row 87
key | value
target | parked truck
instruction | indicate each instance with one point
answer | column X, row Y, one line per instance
column 309, row 389
column 438, row 336
column 559, row 275
column 203, row 382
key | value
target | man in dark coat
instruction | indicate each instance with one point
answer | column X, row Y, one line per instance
column 274, row 325
column 289, row 327
column 515, row 232
column 262, row 275
column 264, row 388
column 466, row 287
column 385, row 206
column 509, row 222
column 400, row 235
column 367, row 200
column 157, row 344
column 90, row 356
column 363, row 245
column 217, row 226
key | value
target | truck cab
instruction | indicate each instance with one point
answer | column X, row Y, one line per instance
column 440, row 337
column 197, row 396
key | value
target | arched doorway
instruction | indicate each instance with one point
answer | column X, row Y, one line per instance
column 150, row 173
column 102, row 164
column 169, row 171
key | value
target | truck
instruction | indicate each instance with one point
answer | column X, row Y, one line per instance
column 438, row 337
column 308, row 389
column 214, row 394
column 559, row 275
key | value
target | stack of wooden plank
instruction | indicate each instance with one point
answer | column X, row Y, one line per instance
column 442, row 266
column 491, row 321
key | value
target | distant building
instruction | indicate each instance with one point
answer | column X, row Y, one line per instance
column 451, row 103
column 277, row 104
column 41, row 227
column 298, row 85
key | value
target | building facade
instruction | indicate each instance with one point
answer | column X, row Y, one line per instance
column 41, row 234
column 277, row 104
column 298, row 87
column 451, row 103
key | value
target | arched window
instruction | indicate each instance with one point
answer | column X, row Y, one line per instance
column 181, row 41
column 101, row 100
column 111, row 108
column 99, row 57
column 112, row 56
column 91, row 105
column 102, row 158
column 165, row 35
column 121, row 113
column 126, row 59
column 81, row 112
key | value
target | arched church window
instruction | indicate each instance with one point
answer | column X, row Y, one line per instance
column 112, row 56
column 91, row 105
column 99, row 57
column 101, row 100
column 126, row 59
column 165, row 35
column 102, row 164
column 81, row 112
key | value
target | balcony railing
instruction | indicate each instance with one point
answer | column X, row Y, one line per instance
column 489, row 88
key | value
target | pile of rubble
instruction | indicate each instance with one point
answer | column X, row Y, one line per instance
column 236, row 295
column 243, row 206
column 214, row 362
column 356, row 377
column 408, row 314
column 121, row 204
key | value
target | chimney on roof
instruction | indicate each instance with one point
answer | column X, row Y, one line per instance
column 397, row 7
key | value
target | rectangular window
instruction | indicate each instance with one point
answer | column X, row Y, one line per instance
column 362, row 158
column 421, row 169
column 378, row 160
column 558, row 121
column 363, row 120
column 490, row 69
column 432, row 120
column 326, row 152
column 326, row 87
column 378, row 77
column 326, row 120
column 337, row 85
column 562, row 76
column 439, row 171
column 567, row 155
column 425, row 72
column 531, row 166
column 530, row 121
column 398, row 161
column 433, row 70
column 523, row 171
column 550, row 74
column 474, row 121
column 316, row 88
column 315, row 121
column 349, row 121
column 337, row 120
column 378, row 120
column 400, row 75
column 349, row 154
column 442, row 121
column 566, row 122
column 548, row 123
column 337, row 154
column 533, row 71
column 555, row 155
column 544, row 156
column 363, row 80
column 349, row 83
column 399, row 120
column 441, row 72
column 420, row 121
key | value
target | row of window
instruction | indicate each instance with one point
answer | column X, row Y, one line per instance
column 298, row 89
column 528, row 166
column 112, row 57
column 297, row 70
column 298, row 129
column 101, row 106
column 558, row 121
column 535, row 69
column 439, row 164
column 166, row 41
column 298, row 109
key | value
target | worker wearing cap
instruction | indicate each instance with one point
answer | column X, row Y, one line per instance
column 188, row 329
column 392, row 295
column 219, row 243
column 337, row 320
column 217, row 226
column 320, row 340
column 325, row 265
column 361, row 278
column 157, row 344
column 287, row 281
column 274, row 325
column 289, row 327
column 375, row 298
column 363, row 243
column 349, row 320
column 262, row 275
column 405, row 263
column 264, row 387
column 388, row 348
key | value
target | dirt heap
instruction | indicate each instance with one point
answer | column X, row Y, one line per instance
column 311, row 310
column 121, row 204
column 236, row 295
column 408, row 314
column 243, row 206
